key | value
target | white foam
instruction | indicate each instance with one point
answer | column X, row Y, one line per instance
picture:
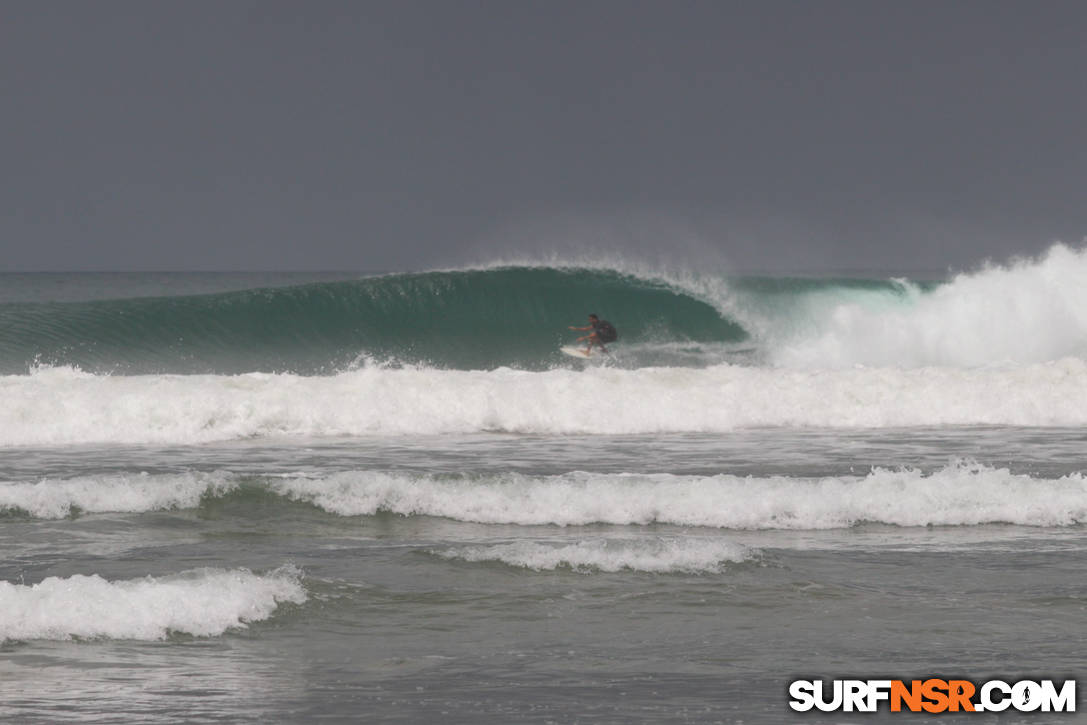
column 656, row 554
column 121, row 492
column 56, row 407
column 961, row 494
column 1027, row 311
column 964, row 493
column 201, row 602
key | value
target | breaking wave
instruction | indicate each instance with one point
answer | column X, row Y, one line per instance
column 658, row 555
column 59, row 406
column 1023, row 312
column 201, row 603
column 964, row 493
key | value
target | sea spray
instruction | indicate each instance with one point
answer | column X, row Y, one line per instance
column 1027, row 311
column 502, row 315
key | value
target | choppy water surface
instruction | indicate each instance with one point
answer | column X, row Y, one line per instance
column 773, row 479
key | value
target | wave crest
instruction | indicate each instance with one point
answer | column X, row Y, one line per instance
column 201, row 602
column 964, row 493
column 470, row 319
column 661, row 554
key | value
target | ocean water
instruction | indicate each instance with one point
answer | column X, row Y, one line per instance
column 388, row 498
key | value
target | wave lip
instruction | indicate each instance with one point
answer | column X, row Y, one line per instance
column 114, row 493
column 659, row 555
column 460, row 319
column 1026, row 311
column 962, row 494
column 201, row 602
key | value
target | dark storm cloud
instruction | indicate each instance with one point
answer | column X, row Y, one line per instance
column 203, row 135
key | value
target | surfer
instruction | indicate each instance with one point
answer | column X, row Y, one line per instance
column 602, row 331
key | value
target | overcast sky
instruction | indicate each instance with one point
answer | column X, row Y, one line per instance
column 404, row 135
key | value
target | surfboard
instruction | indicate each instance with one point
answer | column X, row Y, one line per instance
column 574, row 351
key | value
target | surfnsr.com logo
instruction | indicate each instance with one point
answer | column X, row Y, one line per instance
column 932, row 695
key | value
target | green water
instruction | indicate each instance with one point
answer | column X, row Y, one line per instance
column 473, row 319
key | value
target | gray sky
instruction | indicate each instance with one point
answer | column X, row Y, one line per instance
column 363, row 135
